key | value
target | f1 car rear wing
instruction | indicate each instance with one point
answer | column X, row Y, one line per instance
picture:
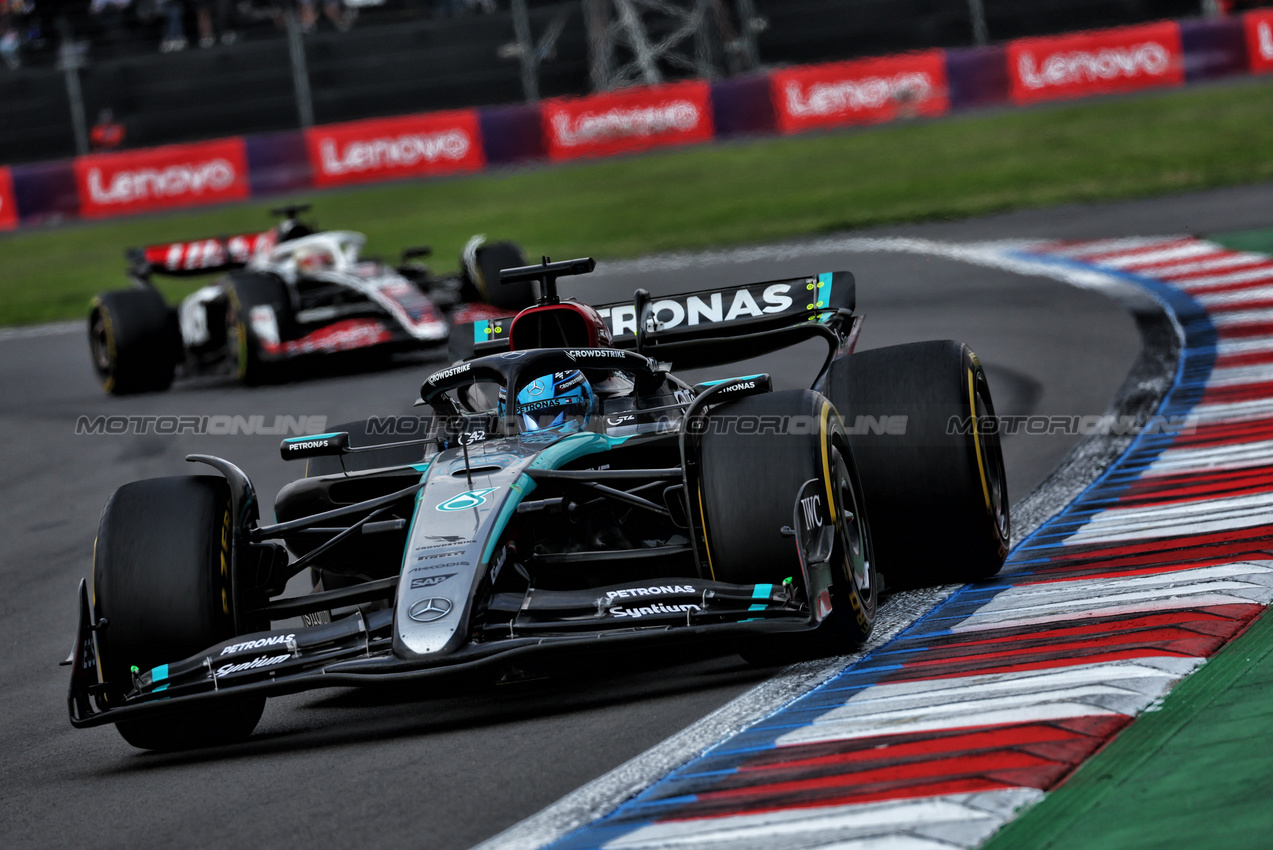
column 201, row 256
column 711, row 327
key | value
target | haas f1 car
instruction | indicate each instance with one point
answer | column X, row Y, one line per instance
column 572, row 495
column 288, row 294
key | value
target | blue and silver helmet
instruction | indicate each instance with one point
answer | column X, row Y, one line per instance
column 560, row 400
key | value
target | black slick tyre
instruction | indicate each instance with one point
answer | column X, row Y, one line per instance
column 489, row 260
column 134, row 341
column 161, row 579
column 934, row 480
column 748, row 487
column 245, row 349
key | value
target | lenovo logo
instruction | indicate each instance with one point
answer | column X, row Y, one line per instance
column 674, row 117
column 404, row 151
column 845, row 96
column 141, row 184
column 1077, row 67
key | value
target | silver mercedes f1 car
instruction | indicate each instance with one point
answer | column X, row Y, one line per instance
column 567, row 494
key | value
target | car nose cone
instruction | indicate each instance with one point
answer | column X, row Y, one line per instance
column 428, row 610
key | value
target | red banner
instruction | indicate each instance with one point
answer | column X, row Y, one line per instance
column 1259, row 39
column 628, row 121
column 8, row 203
column 156, row 178
column 1096, row 62
column 860, row 92
column 412, row 146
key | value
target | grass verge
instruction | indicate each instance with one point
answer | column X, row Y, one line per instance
column 726, row 194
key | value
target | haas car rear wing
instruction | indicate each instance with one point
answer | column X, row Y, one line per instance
column 201, row 256
column 712, row 327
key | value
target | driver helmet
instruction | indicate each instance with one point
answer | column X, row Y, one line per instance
column 315, row 259
column 561, row 400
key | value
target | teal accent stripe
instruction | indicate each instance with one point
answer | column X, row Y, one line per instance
column 824, row 289
column 309, row 437
column 723, row 380
column 553, row 457
column 481, row 331
column 415, row 513
column 519, row 490
column 159, row 673
column 761, row 591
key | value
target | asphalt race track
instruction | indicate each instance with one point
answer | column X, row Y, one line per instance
column 409, row 767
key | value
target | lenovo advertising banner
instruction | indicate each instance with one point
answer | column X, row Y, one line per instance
column 1259, row 39
column 8, row 201
column 862, row 91
column 383, row 149
column 1096, row 62
column 627, row 121
column 158, row 178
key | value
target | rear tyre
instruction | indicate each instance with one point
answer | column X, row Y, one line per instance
column 483, row 274
column 249, row 336
column 938, row 492
column 134, row 341
column 748, row 487
column 161, row 578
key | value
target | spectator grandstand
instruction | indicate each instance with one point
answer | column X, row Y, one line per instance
column 238, row 66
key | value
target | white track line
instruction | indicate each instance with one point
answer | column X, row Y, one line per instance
column 54, row 329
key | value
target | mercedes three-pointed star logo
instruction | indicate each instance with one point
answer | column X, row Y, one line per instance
column 428, row 610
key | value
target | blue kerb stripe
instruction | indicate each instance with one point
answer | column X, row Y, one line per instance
column 762, row 591
column 481, row 331
column 664, row 797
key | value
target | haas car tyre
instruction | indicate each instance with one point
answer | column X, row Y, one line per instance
column 750, row 483
column 481, row 267
column 161, row 580
column 134, row 340
column 934, row 479
column 259, row 315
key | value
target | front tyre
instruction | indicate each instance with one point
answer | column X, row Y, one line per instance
column 134, row 341
column 161, row 579
column 749, row 486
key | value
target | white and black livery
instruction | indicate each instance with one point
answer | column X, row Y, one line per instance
column 570, row 495
column 287, row 295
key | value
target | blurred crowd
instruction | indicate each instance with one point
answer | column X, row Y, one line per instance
column 20, row 28
column 30, row 29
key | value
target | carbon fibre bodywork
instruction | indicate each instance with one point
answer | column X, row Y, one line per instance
column 495, row 547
